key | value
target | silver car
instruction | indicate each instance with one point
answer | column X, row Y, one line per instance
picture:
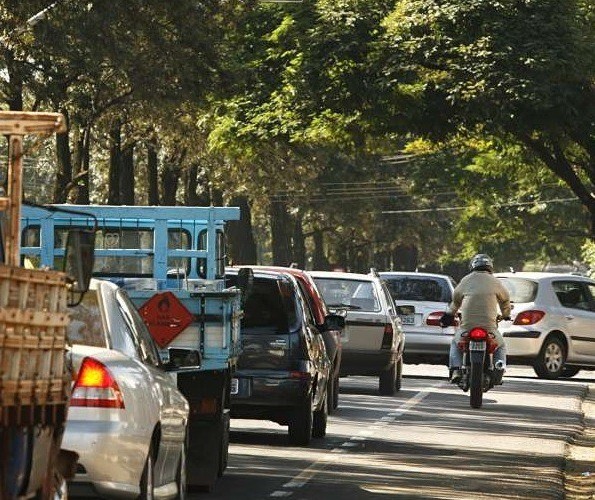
column 421, row 299
column 553, row 322
column 373, row 340
column 127, row 420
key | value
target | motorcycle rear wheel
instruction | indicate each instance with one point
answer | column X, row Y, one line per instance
column 476, row 385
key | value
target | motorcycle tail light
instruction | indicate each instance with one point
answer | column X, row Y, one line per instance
column 528, row 317
column 387, row 338
column 95, row 387
column 478, row 334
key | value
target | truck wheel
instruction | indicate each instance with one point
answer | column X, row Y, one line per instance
column 301, row 423
column 330, row 394
column 320, row 420
column 147, row 485
column 399, row 380
column 388, row 380
column 335, row 400
column 550, row 360
column 181, row 479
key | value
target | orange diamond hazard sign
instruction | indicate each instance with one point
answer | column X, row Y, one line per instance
column 165, row 316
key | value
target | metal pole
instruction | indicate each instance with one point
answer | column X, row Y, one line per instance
column 15, row 195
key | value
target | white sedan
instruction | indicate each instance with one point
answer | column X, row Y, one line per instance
column 127, row 419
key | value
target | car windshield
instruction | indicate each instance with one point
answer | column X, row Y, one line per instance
column 86, row 325
column 520, row 289
column 418, row 288
column 348, row 294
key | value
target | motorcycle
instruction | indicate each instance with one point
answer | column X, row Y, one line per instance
column 478, row 371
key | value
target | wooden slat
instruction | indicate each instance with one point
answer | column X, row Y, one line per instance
column 23, row 123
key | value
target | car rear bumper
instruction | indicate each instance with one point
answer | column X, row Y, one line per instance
column 522, row 342
column 282, row 390
column 114, row 474
column 366, row 362
column 427, row 347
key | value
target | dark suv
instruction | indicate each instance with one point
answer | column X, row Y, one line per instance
column 329, row 325
column 283, row 370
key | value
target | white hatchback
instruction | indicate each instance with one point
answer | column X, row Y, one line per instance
column 127, row 419
column 553, row 322
column 421, row 299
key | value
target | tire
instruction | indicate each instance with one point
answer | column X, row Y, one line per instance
column 181, row 479
column 387, row 381
column 551, row 358
column 147, row 484
column 569, row 371
column 330, row 394
column 476, row 385
column 335, row 400
column 320, row 419
column 301, row 423
column 399, row 381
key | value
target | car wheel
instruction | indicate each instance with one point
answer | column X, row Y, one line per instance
column 181, row 480
column 335, row 400
column 388, row 380
column 569, row 371
column 551, row 358
column 300, row 423
column 320, row 419
column 399, row 380
column 147, row 486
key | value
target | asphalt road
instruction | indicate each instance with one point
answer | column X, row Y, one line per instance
column 426, row 442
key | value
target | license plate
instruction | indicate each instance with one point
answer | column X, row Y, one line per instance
column 408, row 319
column 474, row 345
column 235, row 386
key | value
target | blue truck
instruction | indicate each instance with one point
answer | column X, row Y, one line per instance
column 171, row 262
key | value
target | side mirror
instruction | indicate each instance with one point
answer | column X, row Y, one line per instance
column 183, row 359
column 78, row 262
column 334, row 322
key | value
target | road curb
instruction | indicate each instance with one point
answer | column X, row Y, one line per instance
column 579, row 473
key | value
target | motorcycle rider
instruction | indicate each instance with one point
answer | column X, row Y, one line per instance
column 478, row 296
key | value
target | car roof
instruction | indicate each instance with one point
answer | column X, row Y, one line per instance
column 413, row 273
column 342, row 275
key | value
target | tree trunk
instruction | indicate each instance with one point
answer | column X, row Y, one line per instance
column 15, row 87
column 115, row 165
column 64, row 165
column 280, row 234
column 242, row 246
column 319, row 260
column 191, row 198
column 299, row 242
column 405, row 258
column 170, row 177
column 81, row 165
column 127, row 176
column 152, row 174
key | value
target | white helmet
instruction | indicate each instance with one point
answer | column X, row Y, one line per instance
column 481, row 262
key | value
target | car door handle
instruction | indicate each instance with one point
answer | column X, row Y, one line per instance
column 569, row 317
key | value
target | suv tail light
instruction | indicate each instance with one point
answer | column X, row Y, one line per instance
column 95, row 387
column 387, row 338
column 433, row 319
column 528, row 317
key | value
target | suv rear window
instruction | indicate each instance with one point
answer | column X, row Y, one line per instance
column 270, row 305
column 418, row 288
column 86, row 325
column 521, row 290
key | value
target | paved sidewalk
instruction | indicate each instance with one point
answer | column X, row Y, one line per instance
column 580, row 455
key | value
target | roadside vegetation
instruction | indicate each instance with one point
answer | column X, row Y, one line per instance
column 352, row 133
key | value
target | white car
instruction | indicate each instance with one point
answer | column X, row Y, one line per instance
column 127, row 420
column 552, row 324
column 372, row 341
column 421, row 299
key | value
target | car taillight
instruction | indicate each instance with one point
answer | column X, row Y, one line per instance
column 387, row 338
column 95, row 387
column 528, row 317
column 433, row 319
column 478, row 334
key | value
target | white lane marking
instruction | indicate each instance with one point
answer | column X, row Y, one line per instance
column 281, row 493
column 309, row 472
